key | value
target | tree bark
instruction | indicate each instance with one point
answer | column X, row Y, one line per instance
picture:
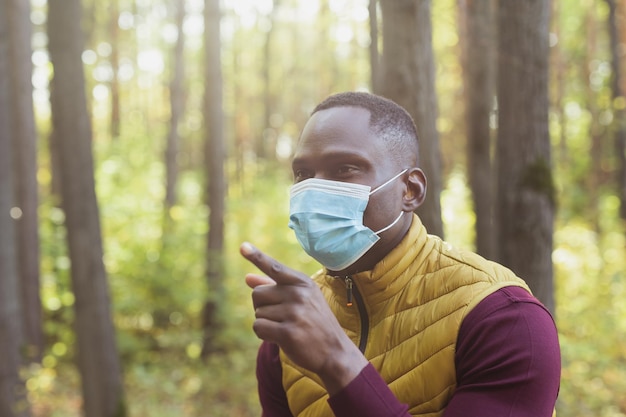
column 326, row 70
column 12, row 390
column 266, row 146
column 115, row 65
column 525, row 208
column 98, row 361
column 618, row 107
column 477, row 23
column 598, row 136
column 373, row 49
column 409, row 80
column 177, row 104
column 25, row 169
column 215, row 154
column 559, row 67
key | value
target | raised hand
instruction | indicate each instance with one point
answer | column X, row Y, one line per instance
column 291, row 311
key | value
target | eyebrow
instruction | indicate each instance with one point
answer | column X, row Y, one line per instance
column 333, row 156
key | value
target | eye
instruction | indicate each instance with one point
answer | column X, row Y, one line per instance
column 346, row 170
column 301, row 175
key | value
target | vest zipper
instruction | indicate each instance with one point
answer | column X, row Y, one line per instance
column 349, row 284
column 352, row 292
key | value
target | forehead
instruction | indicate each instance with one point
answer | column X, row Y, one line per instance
column 340, row 130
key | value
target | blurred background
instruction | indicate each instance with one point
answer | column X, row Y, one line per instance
column 142, row 141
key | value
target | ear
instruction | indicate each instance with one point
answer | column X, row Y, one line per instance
column 415, row 191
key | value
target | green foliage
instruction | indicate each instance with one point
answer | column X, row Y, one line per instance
column 156, row 267
column 591, row 316
column 157, row 283
column 158, row 288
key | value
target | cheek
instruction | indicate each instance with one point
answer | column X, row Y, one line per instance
column 382, row 210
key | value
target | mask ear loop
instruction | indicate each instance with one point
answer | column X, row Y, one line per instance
column 389, row 181
column 391, row 225
column 401, row 213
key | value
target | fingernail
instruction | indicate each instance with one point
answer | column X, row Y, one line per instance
column 246, row 248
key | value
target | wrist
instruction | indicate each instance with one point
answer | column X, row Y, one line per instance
column 340, row 369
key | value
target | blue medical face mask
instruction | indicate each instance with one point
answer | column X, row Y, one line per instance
column 327, row 217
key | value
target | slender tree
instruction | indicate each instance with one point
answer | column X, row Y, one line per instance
column 619, row 105
column 177, row 104
column 12, row 390
column 478, row 47
column 373, row 49
column 558, row 66
column 98, row 361
column 598, row 136
column 114, row 31
column 327, row 68
column 241, row 125
column 266, row 146
column 25, row 169
column 409, row 79
column 215, row 153
column 525, row 208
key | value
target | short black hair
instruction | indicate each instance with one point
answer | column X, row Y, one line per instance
column 387, row 119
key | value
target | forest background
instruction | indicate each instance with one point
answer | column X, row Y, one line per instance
column 146, row 98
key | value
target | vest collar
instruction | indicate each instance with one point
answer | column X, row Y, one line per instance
column 394, row 271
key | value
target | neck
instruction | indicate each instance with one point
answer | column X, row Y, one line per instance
column 379, row 250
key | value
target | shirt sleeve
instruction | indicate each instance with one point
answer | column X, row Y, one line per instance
column 269, row 375
column 508, row 359
column 367, row 395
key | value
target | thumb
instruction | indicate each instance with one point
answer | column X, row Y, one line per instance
column 254, row 280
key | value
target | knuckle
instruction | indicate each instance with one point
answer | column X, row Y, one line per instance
column 290, row 314
column 309, row 284
column 258, row 329
column 299, row 294
column 256, row 299
column 276, row 267
column 305, row 293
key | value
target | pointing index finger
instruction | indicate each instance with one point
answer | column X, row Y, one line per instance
column 271, row 267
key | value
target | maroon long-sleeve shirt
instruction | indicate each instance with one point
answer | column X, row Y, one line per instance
column 507, row 363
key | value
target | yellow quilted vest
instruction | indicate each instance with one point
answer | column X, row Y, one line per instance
column 405, row 318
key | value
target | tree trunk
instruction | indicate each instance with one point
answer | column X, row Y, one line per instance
column 215, row 154
column 477, row 35
column 97, row 355
column 25, row 169
column 177, row 103
column 327, row 70
column 525, row 208
column 559, row 67
column 373, row 49
column 12, row 390
column 598, row 137
column 409, row 80
column 115, row 66
column 619, row 103
column 244, row 141
column 266, row 145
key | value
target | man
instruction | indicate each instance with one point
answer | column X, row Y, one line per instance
column 397, row 323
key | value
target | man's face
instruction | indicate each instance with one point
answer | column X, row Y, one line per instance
column 337, row 144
